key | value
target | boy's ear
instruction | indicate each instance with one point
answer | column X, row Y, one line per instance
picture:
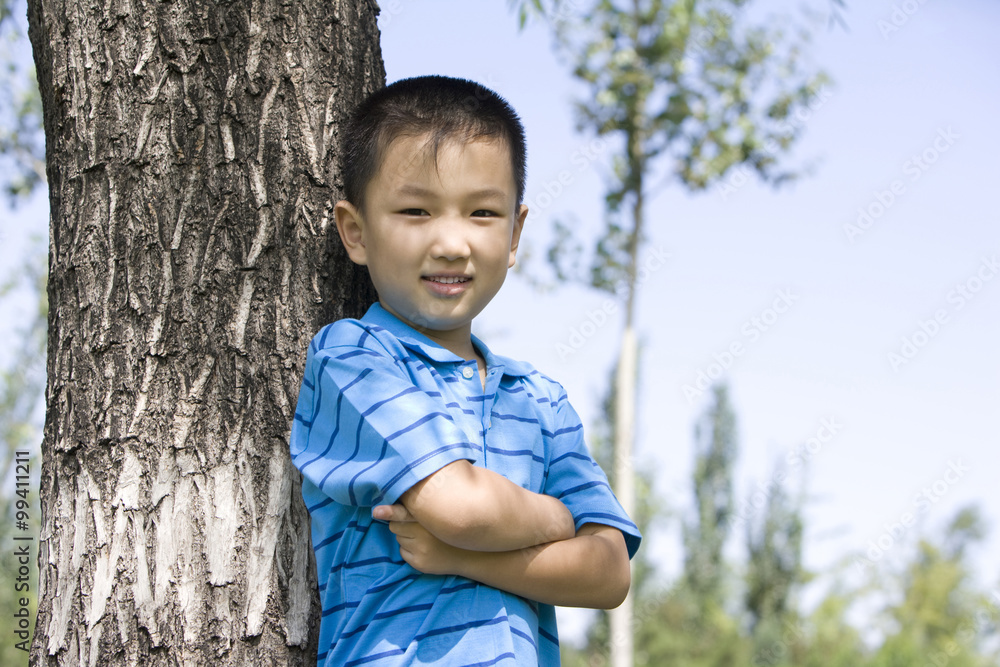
column 515, row 237
column 350, row 226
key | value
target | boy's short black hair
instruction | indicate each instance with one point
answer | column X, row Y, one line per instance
column 440, row 106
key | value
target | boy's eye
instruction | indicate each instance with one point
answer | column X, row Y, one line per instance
column 413, row 211
column 484, row 213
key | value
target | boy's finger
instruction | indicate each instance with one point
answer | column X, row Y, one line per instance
column 388, row 512
column 401, row 529
column 391, row 513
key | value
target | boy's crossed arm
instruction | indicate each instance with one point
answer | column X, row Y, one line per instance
column 502, row 535
column 473, row 508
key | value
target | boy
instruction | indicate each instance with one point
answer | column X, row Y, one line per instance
column 453, row 500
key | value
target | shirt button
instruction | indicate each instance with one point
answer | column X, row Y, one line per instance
column 467, row 372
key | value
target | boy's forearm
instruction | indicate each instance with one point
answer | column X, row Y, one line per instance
column 473, row 508
column 589, row 570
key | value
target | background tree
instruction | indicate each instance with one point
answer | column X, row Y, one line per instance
column 649, row 513
column 712, row 481
column 191, row 166
column 774, row 571
column 830, row 640
column 691, row 621
column 690, row 87
column 928, row 609
column 937, row 614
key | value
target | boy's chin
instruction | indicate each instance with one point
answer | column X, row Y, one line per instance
column 429, row 322
column 438, row 325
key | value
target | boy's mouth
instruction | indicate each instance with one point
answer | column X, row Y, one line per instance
column 448, row 280
column 447, row 286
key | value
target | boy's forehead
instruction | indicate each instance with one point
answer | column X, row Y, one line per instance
column 421, row 157
column 406, row 153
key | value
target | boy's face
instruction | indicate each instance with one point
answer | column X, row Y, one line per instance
column 438, row 235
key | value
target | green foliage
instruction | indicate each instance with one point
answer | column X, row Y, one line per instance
column 682, row 630
column 686, row 623
column 774, row 574
column 930, row 612
column 22, row 141
column 774, row 564
column 940, row 616
column 703, row 631
column 712, row 482
column 526, row 9
column 830, row 641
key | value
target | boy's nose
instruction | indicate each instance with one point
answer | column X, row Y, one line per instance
column 450, row 241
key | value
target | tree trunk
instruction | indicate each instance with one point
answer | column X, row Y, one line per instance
column 191, row 151
column 621, row 620
column 622, row 628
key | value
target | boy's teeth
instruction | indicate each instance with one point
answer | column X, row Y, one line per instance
column 448, row 280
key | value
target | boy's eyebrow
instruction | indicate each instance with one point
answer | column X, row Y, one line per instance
column 489, row 193
column 412, row 190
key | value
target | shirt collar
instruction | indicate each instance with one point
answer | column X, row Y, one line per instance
column 417, row 342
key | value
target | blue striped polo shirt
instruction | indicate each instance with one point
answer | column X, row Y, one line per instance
column 381, row 408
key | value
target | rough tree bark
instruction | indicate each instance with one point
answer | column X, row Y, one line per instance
column 191, row 152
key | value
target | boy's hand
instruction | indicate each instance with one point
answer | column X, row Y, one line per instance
column 422, row 551
column 419, row 548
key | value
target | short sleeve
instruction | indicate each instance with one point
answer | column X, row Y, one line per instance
column 364, row 433
column 576, row 479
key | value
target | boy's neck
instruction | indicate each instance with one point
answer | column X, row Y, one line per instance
column 457, row 341
column 460, row 343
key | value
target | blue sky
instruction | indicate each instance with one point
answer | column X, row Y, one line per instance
column 913, row 107
column 883, row 432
